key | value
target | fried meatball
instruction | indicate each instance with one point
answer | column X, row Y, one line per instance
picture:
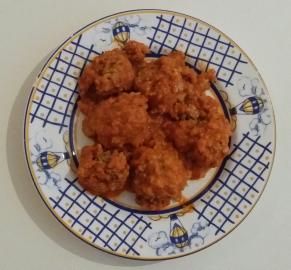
column 204, row 143
column 102, row 172
column 161, row 82
column 171, row 86
column 109, row 73
column 119, row 121
column 159, row 176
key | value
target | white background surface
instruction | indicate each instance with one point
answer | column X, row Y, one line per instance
column 30, row 237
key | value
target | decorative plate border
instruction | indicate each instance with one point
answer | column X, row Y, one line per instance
column 247, row 139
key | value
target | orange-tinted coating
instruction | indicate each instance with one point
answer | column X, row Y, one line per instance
column 155, row 121
column 159, row 176
column 109, row 73
column 119, row 121
column 103, row 172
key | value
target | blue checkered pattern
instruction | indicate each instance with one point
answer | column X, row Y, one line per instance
column 56, row 93
column 199, row 44
column 103, row 224
column 237, row 185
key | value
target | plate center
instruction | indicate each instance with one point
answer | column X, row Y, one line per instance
column 127, row 199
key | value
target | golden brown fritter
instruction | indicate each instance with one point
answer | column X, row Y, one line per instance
column 102, row 172
column 204, row 143
column 159, row 176
column 171, row 86
column 119, row 121
column 157, row 121
column 109, row 73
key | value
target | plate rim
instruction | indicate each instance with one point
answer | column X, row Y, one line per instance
column 25, row 133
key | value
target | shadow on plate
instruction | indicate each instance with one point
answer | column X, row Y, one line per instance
column 27, row 193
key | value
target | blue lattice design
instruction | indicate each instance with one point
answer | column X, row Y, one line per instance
column 56, row 93
column 100, row 222
column 236, row 186
column 198, row 44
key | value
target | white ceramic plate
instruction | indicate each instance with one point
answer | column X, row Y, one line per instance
column 216, row 203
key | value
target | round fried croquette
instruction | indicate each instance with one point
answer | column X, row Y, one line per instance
column 102, row 172
column 119, row 121
column 109, row 73
column 171, row 86
column 159, row 176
